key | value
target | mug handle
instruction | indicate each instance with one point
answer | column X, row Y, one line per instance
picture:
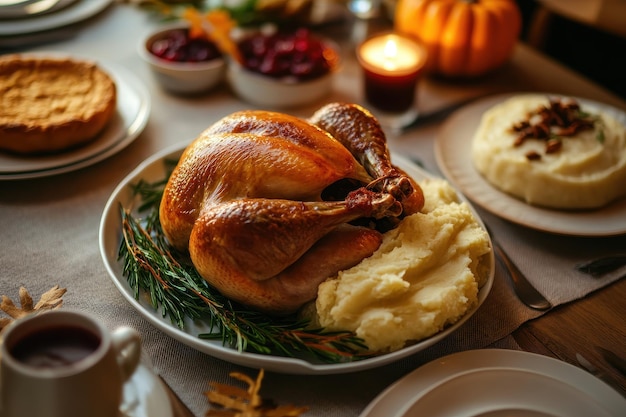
column 127, row 346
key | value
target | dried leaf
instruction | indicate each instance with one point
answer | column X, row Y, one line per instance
column 26, row 300
column 237, row 402
column 50, row 300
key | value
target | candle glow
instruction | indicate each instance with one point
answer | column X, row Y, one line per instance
column 391, row 54
column 392, row 65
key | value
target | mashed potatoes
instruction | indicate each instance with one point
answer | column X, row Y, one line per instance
column 586, row 170
column 425, row 276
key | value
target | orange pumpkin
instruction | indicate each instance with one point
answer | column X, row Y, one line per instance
column 464, row 38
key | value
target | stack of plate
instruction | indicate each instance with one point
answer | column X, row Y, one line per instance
column 22, row 17
column 131, row 117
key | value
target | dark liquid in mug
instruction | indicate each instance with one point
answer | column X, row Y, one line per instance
column 55, row 347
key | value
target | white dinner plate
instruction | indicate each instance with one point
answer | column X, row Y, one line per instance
column 13, row 9
column 153, row 169
column 453, row 150
column 129, row 120
column 72, row 13
column 497, row 383
column 145, row 395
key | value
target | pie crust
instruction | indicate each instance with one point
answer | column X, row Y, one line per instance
column 52, row 104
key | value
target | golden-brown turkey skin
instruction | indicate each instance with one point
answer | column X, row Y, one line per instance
column 265, row 155
column 246, row 201
column 275, row 258
column 264, row 235
column 342, row 248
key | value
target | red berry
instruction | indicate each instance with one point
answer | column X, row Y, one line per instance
column 176, row 46
column 298, row 54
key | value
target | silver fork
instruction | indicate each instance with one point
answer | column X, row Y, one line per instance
column 523, row 288
column 598, row 373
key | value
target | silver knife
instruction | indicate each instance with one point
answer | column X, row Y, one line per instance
column 432, row 116
column 613, row 359
column 606, row 378
column 523, row 288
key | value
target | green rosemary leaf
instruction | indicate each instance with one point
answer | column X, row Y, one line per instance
column 172, row 284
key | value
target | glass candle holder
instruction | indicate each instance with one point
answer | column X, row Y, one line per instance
column 392, row 65
column 365, row 9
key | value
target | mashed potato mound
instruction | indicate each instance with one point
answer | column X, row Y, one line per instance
column 587, row 171
column 424, row 277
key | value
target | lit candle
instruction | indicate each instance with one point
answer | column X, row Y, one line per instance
column 392, row 65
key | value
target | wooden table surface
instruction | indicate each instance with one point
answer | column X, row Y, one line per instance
column 580, row 326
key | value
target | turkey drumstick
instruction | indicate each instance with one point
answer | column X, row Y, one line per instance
column 359, row 131
column 245, row 246
column 245, row 201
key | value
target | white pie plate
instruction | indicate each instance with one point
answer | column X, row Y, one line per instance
column 16, row 9
column 73, row 13
column 110, row 237
column 129, row 120
column 497, row 383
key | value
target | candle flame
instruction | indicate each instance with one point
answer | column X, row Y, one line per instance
column 390, row 55
column 391, row 49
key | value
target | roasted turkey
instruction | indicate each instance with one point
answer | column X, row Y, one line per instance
column 269, row 205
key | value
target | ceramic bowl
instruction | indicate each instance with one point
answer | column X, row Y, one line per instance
column 181, row 77
column 263, row 90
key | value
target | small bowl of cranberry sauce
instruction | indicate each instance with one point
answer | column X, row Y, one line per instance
column 181, row 64
column 283, row 69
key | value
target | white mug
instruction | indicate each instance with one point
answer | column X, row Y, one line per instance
column 65, row 363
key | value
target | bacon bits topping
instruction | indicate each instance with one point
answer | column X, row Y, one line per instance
column 563, row 118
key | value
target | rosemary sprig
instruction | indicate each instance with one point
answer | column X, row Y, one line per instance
column 172, row 284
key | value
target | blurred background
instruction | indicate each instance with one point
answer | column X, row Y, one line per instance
column 586, row 35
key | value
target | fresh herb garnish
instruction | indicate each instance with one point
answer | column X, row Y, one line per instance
column 172, row 284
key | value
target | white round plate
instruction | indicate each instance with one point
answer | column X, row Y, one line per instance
column 145, row 396
column 497, row 383
column 110, row 238
column 453, row 150
column 133, row 110
column 12, row 9
column 73, row 13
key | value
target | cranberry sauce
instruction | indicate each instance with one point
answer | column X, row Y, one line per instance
column 297, row 54
column 177, row 46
